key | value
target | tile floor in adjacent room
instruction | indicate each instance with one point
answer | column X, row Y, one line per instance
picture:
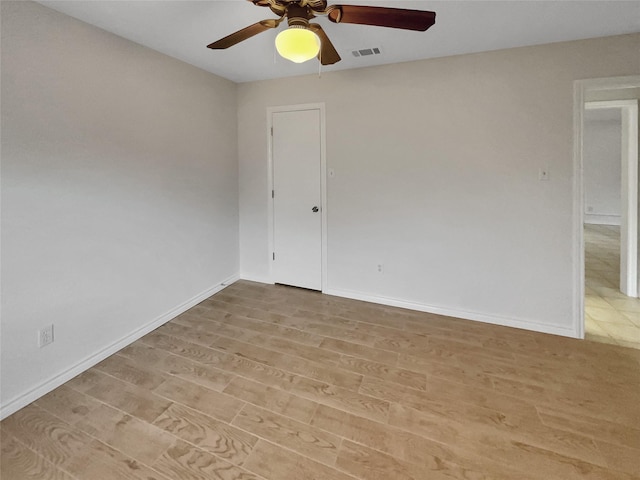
column 610, row 316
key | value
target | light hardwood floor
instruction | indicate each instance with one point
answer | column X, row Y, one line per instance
column 275, row 383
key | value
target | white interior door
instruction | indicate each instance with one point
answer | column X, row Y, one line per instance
column 297, row 198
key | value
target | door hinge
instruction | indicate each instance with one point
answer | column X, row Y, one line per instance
column 273, row 194
column 272, row 131
column 274, row 255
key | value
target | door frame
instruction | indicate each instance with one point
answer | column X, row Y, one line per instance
column 323, row 183
column 628, row 192
column 580, row 90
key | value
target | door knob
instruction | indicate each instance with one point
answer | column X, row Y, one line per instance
column 314, row 209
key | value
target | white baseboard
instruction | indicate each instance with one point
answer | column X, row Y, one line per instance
column 45, row 387
column 597, row 219
column 466, row 315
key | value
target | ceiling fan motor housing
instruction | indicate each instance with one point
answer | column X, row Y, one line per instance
column 279, row 7
column 298, row 16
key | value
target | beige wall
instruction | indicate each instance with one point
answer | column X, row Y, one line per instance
column 119, row 193
column 436, row 167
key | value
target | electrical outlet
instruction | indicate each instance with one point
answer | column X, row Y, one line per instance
column 45, row 336
column 380, row 269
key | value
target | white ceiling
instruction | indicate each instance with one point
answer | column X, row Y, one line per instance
column 183, row 28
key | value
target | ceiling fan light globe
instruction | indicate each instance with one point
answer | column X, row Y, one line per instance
column 298, row 44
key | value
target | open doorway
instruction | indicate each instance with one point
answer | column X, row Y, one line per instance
column 610, row 220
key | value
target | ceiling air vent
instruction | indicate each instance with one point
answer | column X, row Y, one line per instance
column 365, row 52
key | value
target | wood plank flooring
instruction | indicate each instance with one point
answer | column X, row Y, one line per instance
column 275, row 383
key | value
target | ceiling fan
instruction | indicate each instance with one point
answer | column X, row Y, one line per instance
column 303, row 40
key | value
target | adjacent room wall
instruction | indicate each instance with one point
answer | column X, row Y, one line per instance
column 436, row 176
column 119, row 193
column 602, row 163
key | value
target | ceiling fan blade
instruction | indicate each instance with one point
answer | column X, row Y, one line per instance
column 382, row 17
column 245, row 33
column 328, row 54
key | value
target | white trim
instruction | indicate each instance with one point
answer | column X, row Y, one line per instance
column 323, row 187
column 630, row 140
column 466, row 315
column 600, row 104
column 580, row 87
column 323, row 182
column 45, row 387
column 611, row 83
column 601, row 219
column 629, row 192
column 578, row 211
